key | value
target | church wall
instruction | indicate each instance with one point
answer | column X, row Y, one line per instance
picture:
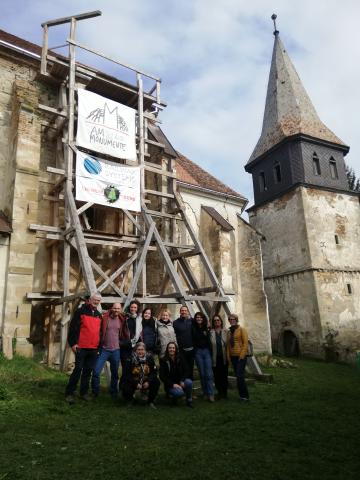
column 236, row 258
column 254, row 301
column 285, row 248
column 339, row 312
column 328, row 214
column 293, row 306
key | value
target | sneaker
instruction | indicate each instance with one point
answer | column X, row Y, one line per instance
column 211, row 398
column 70, row 399
column 86, row 397
column 152, row 405
column 244, row 399
column 189, row 404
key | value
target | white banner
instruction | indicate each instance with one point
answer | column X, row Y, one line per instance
column 105, row 126
column 107, row 183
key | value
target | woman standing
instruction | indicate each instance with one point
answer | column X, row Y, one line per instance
column 166, row 332
column 219, row 340
column 237, row 350
column 149, row 331
column 202, row 348
column 172, row 373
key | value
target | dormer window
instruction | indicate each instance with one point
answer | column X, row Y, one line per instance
column 333, row 169
column 262, row 182
column 316, row 164
column 277, row 172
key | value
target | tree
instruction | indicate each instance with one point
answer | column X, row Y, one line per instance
column 354, row 183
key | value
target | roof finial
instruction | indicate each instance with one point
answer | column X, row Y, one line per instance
column 273, row 18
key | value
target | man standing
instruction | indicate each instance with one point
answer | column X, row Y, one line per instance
column 84, row 339
column 110, row 349
column 183, row 331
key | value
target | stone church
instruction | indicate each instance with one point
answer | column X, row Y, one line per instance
column 311, row 222
column 232, row 245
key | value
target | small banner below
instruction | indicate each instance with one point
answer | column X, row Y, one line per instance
column 107, row 183
column 105, row 126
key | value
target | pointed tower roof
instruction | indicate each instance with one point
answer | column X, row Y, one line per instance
column 288, row 110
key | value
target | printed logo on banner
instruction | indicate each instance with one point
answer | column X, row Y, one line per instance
column 105, row 126
column 111, row 193
column 107, row 183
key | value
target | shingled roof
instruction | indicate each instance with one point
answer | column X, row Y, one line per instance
column 288, row 110
column 190, row 173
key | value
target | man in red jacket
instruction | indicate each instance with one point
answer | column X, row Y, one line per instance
column 84, row 339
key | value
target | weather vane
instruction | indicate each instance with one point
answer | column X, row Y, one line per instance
column 273, row 18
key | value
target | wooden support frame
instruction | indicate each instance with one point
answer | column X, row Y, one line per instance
column 155, row 227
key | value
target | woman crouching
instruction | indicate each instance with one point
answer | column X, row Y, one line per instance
column 140, row 376
column 172, row 373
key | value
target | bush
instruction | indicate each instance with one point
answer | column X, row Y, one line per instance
column 4, row 393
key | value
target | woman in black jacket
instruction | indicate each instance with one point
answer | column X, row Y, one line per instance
column 202, row 348
column 149, row 332
column 140, row 376
column 172, row 373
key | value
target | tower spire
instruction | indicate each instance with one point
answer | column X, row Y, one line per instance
column 273, row 18
column 288, row 109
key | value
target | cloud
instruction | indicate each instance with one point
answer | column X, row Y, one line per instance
column 214, row 59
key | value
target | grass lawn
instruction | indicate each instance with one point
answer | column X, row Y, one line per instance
column 304, row 426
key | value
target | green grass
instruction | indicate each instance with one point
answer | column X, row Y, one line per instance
column 304, row 426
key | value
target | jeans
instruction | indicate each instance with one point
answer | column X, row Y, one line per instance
column 113, row 357
column 85, row 359
column 204, row 365
column 239, row 365
column 179, row 392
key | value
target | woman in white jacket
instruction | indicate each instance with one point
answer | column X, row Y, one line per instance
column 166, row 332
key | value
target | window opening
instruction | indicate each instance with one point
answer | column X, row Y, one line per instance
column 333, row 169
column 277, row 172
column 337, row 241
column 262, row 181
column 349, row 288
column 316, row 164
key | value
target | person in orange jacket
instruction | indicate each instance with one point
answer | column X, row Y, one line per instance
column 236, row 351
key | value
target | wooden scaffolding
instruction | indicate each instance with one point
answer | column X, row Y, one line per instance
column 121, row 259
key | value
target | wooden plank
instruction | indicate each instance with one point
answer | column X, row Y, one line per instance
column 57, row 171
column 159, row 171
column 44, row 50
column 168, row 263
column 190, row 253
column 44, row 228
column 118, row 271
column 159, row 194
column 122, row 64
column 140, row 265
column 154, row 143
column 54, row 111
column 84, row 207
column 81, row 16
column 81, row 245
column 155, row 213
column 134, row 221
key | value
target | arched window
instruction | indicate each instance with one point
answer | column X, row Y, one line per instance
column 316, row 164
column 333, row 168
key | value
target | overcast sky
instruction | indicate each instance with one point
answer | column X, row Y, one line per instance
column 214, row 57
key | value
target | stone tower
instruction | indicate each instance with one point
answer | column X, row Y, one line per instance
column 311, row 222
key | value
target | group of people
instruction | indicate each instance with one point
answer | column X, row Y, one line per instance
column 135, row 338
